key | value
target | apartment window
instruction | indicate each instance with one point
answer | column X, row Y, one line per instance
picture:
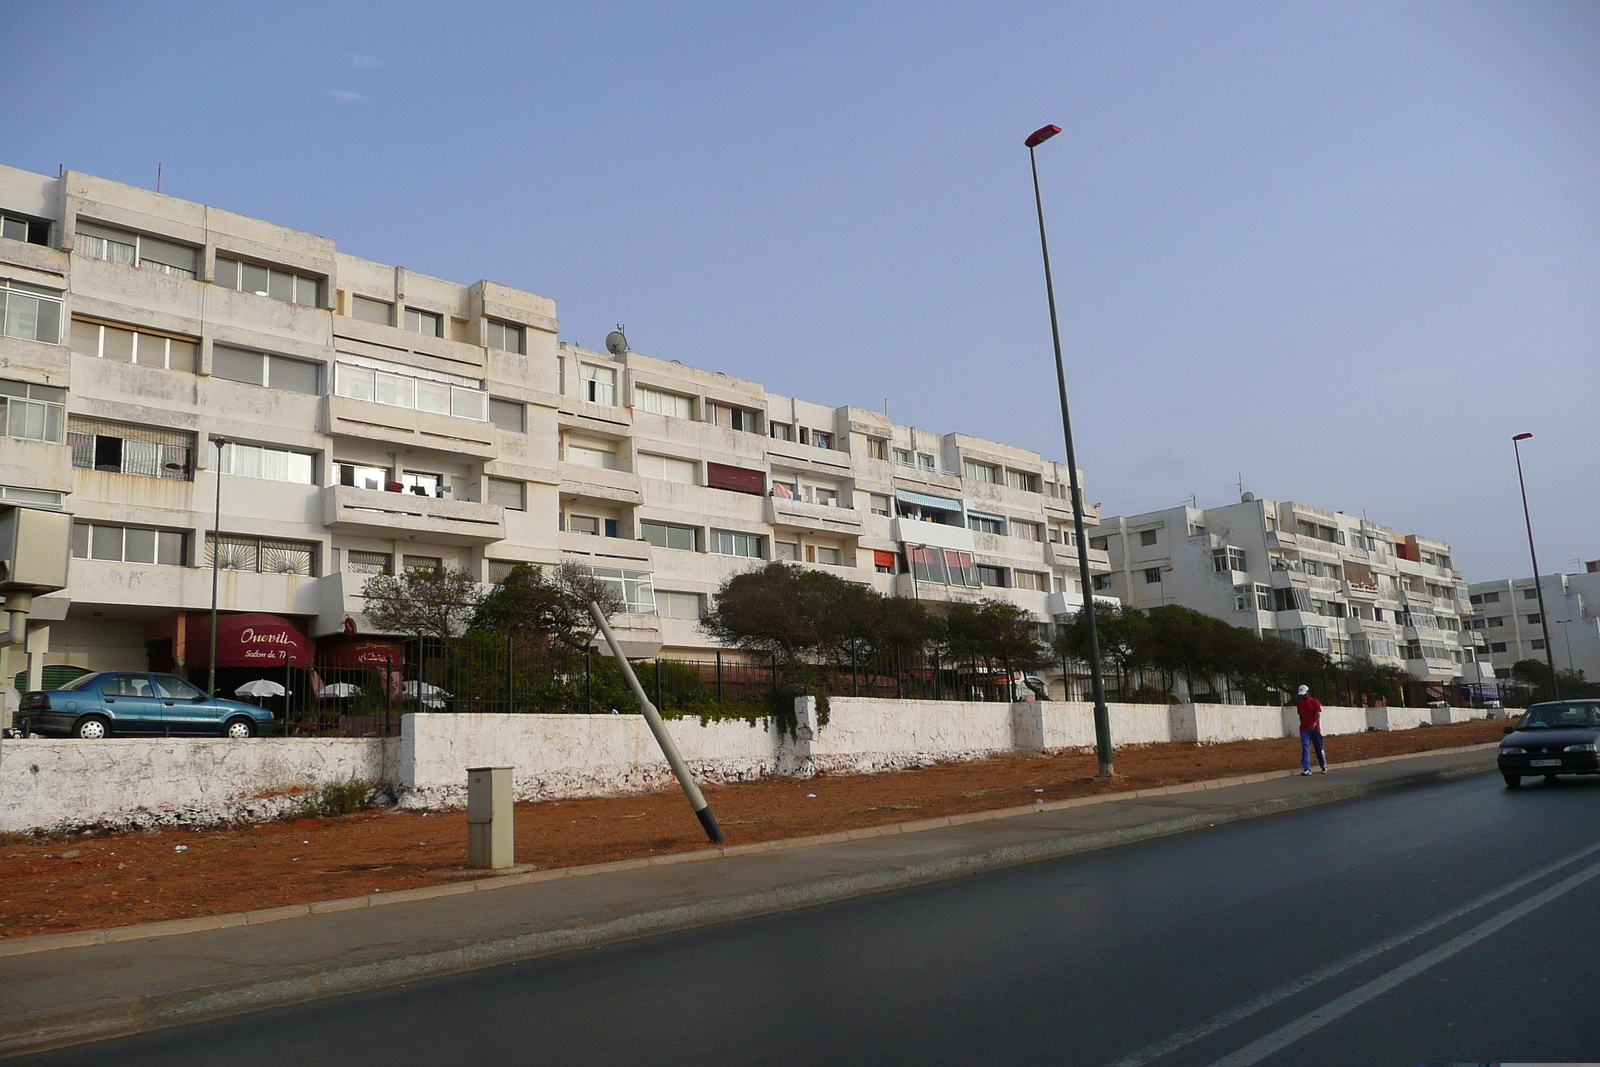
column 33, row 412
column 1152, row 575
column 505, row 336
column 993, row 576
column 671, row 605
column 1060, row 535
column 126, row 344
column 819, row 439
column 981, row 472
column 1224, row 560
column 1497, row 646
column 506, row 493
column 1028, row 483
column 1099, row 544
column 425, row 564
column 274, row 464
column 1026, row 531
column 427, row 323
column 508, row 415
column 265, row 369
column 598, row 385
column 129, row 544
column 31, row 498
column 377, row 312
column 823, row 554
column 122, row 448
column 1534, row 619
column 29, row 312
column 1264, row 597
column 904, row 457
column 500, row 569
column 788, row 551
column 357, row 562
column 666, row 535
column 589, row 525
column 1033, row 580
column 1102, row 582
column 1491, row 598
column 361, row 477
column 136, row 250
column 276, row 282
column 1530, row 594
column 666, row 468
column 729, row 543
column 659, row 402
column 1147, row 537
column 399, row 390
column 989, row 524
column 1241, row 598
column 885, row 562
column 780, row 431
column 422, row 483
column 263, row 555
column 733, row 418
column 877, row 448
column 1538, row 645
column 584, row 452
column 1497, row 621
column 21, row 228
column 878, row 504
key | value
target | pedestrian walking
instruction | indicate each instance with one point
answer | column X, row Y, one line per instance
column 1310, row 709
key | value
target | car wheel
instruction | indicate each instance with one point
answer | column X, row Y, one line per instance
column 1512, row 780
column 92, row 728
column 238, row 729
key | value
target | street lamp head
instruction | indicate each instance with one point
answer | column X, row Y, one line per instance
column 218, row 440
column 1041, row 135
column 1522, row 436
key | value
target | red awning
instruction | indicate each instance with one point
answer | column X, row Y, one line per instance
column 362, row 652
column 253, row 639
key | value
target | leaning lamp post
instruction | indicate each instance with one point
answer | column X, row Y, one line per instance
column 1102, row 716
column 216, row 556
column 1538, row 587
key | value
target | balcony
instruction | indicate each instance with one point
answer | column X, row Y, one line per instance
column 374, row 513
column 607, row 551
column 800, row 515
column 936, row 535
column 410, row 428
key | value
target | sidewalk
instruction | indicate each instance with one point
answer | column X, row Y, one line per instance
column 65, row 988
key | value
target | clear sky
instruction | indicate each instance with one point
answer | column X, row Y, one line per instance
column 1343, row 249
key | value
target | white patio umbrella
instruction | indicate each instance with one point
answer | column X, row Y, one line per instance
column 430, row 694
column 339, row 689
column 260, row 687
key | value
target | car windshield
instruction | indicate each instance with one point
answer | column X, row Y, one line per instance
column 1587, row 714
column 88, row 681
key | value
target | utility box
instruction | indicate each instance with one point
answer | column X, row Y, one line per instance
column 489, row 818
column 34, row 548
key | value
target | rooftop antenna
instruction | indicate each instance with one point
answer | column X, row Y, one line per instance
column 617, row 341
column 158, row 177
column 1241, row 483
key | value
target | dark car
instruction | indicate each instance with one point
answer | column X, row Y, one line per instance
column 1559, row 737
column 131, row 703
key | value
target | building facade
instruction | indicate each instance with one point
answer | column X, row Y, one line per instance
column 1318, row 578
column 164, row 361
column 1505, row 615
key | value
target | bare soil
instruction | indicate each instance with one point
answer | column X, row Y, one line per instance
column 98, row 880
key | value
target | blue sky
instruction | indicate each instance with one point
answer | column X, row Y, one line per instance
column 1343, row 249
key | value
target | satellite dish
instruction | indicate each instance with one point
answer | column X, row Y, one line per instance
column 617, row 341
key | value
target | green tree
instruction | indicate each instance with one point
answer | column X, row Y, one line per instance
column 779, row 610
column 533, row 603
column 997, row 632
column 1123, row 636
column 422, row 602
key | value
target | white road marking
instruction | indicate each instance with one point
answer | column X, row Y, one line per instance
column 1167, row 1045
column 1288, row 1034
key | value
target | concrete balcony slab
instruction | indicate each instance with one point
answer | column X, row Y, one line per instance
column 374, row 513
column 800, row 515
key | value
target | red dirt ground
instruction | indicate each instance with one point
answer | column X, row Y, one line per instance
column 85, row 882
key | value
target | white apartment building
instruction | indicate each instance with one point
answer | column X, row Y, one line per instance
column 1505, row 615
column 1318, row 578
column 377, row 419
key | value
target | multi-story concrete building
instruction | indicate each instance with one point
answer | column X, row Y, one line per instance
column 1505, row 614
column 375, row 419
column 1323, row 579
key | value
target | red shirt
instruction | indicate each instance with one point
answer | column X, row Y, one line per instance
column 1310, row 709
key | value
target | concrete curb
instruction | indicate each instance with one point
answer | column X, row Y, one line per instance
column 172, row 927
column 133, row 1015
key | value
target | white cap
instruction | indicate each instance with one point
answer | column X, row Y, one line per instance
column 1303, row 690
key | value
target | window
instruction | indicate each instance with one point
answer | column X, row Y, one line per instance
column 588, row 525
column 993, row 576
column 422, row 483
column 136, row 250
column 500, row 569
column 877, row 448
column 403, row 391
column 878, row 504
column 1530, row 594
column 1538, row 645
column 1224, row 560
column 129, row 544
column 1026, row 531
column 267, row 370
column 264, row 555
column 1487, row 598
column 377, row 312
column 904, row 457
column 666, row 468
column 362, row 477
column 126, row 344
column 506, row 493
column 20, row 228
column 729, row 543
column 1147, row 537
column 1535, row 618
column 823, row 554
column 733, row 418
column 31, row 498
column 122, row 448
column 1099, row 544
column 598, row 385
column 1497, row 621
column 357, row 562
column 819, row 439
column 1060, row 535
column 981, row 472
column 826, row 495
column 508, row 415
column 885, row 562
column 29, row 312
column 663, row 403
column 33, row 412
column 788, row 551
column 505, row 336
column 1497, row 646
column 635, row 587
column 1152, row 575
column 665, row 535
column 989, row 524
column 1102, row 582
column 677, row 605
column 276, row 282
column 1264, row 597
column 1030, row 580
column 426, row 564
column 586, row 452
column 1028, row 483
column 275, row 464
column 427, row 323
column 780, row 431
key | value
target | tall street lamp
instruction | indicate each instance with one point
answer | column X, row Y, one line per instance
column 216, row 557
column 1538, row 587
column 1102, row 717
column 1566, row 629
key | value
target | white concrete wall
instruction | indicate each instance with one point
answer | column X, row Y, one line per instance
column 1398, row 718
column 48, row 785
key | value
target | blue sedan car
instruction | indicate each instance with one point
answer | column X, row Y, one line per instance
column 131, row 703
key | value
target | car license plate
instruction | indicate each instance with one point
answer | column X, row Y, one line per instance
column 1544, row 763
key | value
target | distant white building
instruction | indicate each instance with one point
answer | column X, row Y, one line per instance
column 1505, row 612
column 1323, row 579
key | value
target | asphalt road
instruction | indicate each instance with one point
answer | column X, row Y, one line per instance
column 1351, row 933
